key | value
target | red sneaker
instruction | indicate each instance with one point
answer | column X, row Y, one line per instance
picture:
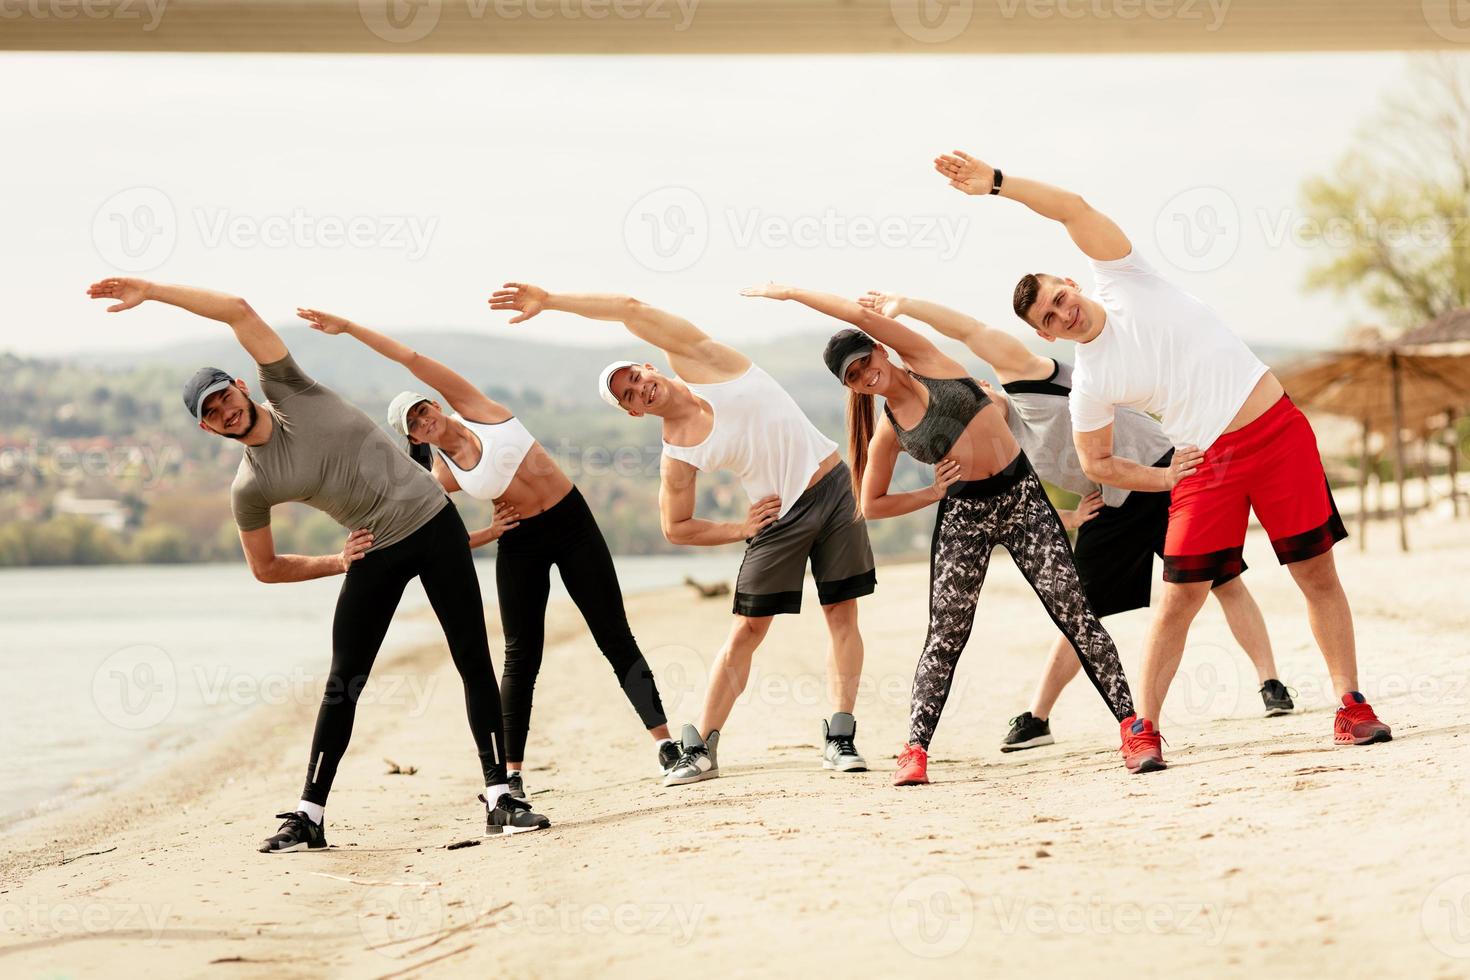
column 1141, row 749
column 913, row 767
column 1356, row 724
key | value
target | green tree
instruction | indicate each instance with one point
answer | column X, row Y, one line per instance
column 1395, row 214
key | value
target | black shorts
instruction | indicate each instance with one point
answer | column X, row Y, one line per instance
column 1115, row 551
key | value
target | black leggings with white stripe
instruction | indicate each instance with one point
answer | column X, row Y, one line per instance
column 439, row 554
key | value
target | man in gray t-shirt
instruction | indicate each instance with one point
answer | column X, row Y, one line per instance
column 1118, row 531
column 308, row 444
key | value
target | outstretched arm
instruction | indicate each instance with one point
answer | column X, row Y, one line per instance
column 1002, row 351
column 1094, row 232
column 262, row 343
column 693, row 354
column 461, row 395
column 918, row 352
column 676, row 511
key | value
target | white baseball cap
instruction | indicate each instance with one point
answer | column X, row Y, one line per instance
column 604, row 381
column 400, row 406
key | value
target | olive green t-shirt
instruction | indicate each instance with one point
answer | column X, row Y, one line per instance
column 327, row 453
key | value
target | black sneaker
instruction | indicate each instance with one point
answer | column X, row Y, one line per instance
column 298, row 833
column 668, row 756
column 1027, row 732
column 511, row 816
column 1277, row 698
column 517, row 787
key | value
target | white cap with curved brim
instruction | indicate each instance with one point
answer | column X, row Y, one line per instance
column 604, row 381
column 400, row 406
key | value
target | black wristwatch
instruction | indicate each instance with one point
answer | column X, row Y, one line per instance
column 996, row 181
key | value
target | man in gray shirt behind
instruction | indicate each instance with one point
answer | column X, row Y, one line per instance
column 1118, row 531
column 306, row 443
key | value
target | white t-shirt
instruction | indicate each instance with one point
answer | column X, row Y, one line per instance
column 1163, row 352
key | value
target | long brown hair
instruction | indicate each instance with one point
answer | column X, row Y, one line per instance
column 861, row 417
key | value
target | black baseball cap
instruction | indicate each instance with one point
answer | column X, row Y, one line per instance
column 845, row 347
column 205, row 382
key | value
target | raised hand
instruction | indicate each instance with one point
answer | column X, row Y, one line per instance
column 770, row 290
column 884, row 304
column 1085, row 511
column 762, row 513
column 527, row 299
column 1185, row 462
column 946, row 473
column 128, row 292
column 327, row 323
column 965, row 173
column 358, row 542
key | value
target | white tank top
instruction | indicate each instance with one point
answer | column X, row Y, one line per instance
column 759, row 434
column 502, row 447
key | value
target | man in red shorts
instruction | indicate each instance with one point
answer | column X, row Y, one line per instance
column 1241, row 444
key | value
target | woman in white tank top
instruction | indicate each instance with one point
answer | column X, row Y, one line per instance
column 540, row 520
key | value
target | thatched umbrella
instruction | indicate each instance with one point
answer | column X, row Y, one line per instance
column 1419, row 381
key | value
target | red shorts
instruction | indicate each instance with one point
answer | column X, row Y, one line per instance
column 1272, row 467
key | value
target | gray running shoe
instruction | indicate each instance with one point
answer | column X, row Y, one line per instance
column 697, row 762
column 838, row 751
column 517, row 787
column 668, row 756
column 1027, row 732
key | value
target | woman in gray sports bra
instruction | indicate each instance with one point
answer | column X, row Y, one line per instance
column 987, row 495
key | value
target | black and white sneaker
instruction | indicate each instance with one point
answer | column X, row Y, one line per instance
column 511, row 816
column 1027, row 732
column 698, row 761
column 298, row 833
column 668, row 756
column 1277, row 698
column 517, row 787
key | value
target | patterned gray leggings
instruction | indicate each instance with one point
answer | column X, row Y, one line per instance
column 1023, row 520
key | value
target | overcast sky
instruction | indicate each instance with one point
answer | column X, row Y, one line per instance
column 400, row 190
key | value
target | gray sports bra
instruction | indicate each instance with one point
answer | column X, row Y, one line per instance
column 953, row 402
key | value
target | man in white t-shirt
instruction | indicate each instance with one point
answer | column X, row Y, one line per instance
column 719, row 411
column 1241, row 444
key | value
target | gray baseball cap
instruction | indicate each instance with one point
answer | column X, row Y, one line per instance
column 205, row 382
column 399, row 408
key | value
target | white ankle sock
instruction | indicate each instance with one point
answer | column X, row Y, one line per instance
column 662, row 742
column 493, row 793
column 313, row 810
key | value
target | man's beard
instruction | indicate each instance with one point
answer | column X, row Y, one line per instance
column 249, row 428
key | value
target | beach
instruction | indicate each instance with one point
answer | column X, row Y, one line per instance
column 1262, row 847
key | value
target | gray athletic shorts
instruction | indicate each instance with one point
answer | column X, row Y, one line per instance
column 823, row 526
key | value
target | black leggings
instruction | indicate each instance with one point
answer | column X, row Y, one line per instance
column 567, row 536
column 1010, row 509
column 439, row 554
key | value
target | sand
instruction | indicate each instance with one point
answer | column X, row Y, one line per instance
column 1262, row 847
